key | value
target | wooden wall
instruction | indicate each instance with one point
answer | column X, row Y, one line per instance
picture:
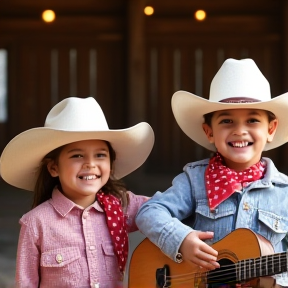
column 183, row 54
column 132, row 64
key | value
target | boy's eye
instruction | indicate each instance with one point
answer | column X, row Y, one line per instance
column 253, row 120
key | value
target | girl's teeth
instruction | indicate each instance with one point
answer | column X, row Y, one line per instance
column 90, row 177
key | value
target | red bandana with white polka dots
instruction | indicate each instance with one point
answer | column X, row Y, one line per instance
column 221, row 181
column 116, row 222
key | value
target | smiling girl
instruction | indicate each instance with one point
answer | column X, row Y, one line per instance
column 76, row 235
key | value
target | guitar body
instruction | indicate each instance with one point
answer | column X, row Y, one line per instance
column 147, row 258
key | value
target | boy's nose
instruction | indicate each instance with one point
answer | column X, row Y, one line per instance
column 240, row 130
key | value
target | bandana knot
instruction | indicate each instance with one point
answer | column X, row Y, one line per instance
column 116, row 222
column 221, row 181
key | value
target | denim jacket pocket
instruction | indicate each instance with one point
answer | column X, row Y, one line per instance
column 272, row 226
column 220, row 220
column 59, row 257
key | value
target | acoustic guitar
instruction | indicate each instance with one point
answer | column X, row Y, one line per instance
column 244, row 257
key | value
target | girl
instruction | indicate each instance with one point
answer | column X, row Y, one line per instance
column 76, row 233
column 236, row 188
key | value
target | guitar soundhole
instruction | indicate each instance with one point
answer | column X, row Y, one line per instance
column 161, row 277
column 225, row 276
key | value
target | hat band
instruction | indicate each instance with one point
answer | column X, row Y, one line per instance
column 239, row 100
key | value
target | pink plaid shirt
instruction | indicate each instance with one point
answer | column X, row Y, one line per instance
column 63, row 245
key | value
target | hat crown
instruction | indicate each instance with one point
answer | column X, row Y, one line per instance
column 239, row 78
column 77, row 114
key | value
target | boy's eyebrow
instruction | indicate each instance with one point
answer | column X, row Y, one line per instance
column 228, row 113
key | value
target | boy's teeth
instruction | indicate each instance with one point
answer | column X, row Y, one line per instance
column 240, row 144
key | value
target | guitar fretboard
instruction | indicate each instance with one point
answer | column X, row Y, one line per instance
column 262, row 266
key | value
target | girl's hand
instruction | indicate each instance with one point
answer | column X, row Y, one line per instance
column 194, row 250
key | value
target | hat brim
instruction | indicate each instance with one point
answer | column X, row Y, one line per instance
column 21, row 157
column 189, row 109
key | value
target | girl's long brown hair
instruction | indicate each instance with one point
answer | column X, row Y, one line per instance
column 45, row 182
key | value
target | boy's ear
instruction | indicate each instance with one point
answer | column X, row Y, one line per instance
column 52, row 168
column 208, row 131
column 272, row 130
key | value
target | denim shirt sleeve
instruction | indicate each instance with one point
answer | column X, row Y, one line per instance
column 160, row 217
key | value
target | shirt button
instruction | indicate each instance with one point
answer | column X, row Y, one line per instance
column 59, row 258
column 85, row 214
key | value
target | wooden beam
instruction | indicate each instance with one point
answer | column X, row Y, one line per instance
column 285, row 46
column 136, row 62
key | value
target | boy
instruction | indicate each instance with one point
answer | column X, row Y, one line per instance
column 236, row 188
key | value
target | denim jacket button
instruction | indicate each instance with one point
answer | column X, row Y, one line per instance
column 246, row 206
column 276, row 225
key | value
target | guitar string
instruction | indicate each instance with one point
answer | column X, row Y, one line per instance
column 215, row 274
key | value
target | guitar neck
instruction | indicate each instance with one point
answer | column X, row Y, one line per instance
column 262, row 266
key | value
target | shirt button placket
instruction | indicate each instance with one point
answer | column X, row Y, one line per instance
column 91, row 248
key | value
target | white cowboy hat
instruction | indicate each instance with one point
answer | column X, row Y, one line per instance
column 240, row 84
column 73, row 119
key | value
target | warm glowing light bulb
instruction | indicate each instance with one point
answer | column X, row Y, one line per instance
column 200, row 15
column 148, row 10
column 48, row 16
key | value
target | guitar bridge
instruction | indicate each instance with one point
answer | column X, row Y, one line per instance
column 161, row 277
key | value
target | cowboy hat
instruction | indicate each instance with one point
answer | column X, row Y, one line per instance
column 73, row 119
column 238, row 84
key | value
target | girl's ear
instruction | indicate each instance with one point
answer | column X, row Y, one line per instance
column 52, row 168
column 272, row 130
column 208, row 131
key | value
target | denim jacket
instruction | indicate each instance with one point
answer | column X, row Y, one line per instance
column 262, row 207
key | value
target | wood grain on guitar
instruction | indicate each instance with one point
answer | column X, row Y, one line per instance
column 245, row 258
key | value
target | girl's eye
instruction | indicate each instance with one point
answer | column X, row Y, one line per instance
column 101, row 155
column 226, row 121
column 76, row 156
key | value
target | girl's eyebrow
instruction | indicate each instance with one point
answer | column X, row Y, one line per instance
column 74, row 150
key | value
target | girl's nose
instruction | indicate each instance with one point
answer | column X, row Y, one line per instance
column 88, row 165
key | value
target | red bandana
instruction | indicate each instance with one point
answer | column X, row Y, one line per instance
column 116, row 222
column 221, row 181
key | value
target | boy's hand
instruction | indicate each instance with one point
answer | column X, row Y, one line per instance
column 194, row 250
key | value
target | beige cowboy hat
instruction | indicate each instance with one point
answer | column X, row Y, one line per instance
column 238, row 84
column 73, row 119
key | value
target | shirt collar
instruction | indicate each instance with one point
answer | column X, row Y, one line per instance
column 63, row 205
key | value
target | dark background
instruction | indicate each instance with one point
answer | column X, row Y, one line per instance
column 132, row 64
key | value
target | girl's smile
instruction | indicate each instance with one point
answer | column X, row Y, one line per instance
column 83, row 169
column 240, row 135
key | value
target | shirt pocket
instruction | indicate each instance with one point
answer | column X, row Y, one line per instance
column 62, row 264
column 220, row 221
column 272, row 226
column 59, row 257
column 110, row 259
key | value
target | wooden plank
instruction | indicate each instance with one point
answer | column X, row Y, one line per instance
column 214, row 24
column 63, row 24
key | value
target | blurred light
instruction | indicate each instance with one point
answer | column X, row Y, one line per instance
column 48, row 16
column 200, row 15
column 148, row 10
